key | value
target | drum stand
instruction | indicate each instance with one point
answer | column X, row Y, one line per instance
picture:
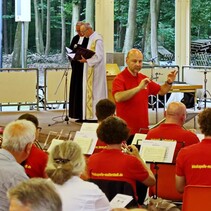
column 152, row 103
column 205, row 91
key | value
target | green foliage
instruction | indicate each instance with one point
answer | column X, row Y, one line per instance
column 200, row 19
column 200, row 22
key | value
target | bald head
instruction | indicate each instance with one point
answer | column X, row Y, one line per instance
column 134, row 61
column 133, row 52
column 176, row 113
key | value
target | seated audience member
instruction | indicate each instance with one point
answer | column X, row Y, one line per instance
column 36, row 162
column 65, row 165
column 104, row 109
column 172, row 128
column 34, row 195
column 113, row 164
column 18, row 138
column 193, row 162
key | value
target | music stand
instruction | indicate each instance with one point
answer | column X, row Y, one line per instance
column 205, row 88
column 66, row 119
column 151, row 152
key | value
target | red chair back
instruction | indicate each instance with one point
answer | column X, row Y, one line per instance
column 166, row 183
column 196, row 198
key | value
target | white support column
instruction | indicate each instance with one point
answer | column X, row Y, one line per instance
column 182, row 32
column 104, row 22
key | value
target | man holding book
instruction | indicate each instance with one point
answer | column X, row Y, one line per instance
column 76, row 83
column 94, row 79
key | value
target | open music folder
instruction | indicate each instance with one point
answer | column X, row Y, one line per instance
column 79, row 51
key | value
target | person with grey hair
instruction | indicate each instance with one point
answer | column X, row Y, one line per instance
column 36, row 194
column 18, row 138
column 76, row 82
column 94, row 80
column 65, row 165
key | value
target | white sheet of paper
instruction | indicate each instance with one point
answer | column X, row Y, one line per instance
column 120, row 200
column 89, row 127
column 84, row 143
column 71, row 55
column 153, row 153
column 68, row 50
column 169, row 145
column 200, row 136
column 84, row 139
column 138, row 138
column 54, row 143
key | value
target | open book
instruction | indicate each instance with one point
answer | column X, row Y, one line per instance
column 79, row 51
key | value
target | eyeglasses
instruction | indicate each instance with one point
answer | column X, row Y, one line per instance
column 84, row 31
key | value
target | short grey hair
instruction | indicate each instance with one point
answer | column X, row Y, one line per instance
column 66, row 160
column 18, row 134
column 80, row 23
column 88, row 26
column 37, row 194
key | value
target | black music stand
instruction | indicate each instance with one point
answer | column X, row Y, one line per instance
column 167, row 160
column 66, row 119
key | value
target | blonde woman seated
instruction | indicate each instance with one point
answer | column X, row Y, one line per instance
column 65, row 165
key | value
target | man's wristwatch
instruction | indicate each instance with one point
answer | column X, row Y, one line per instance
column 170, row 84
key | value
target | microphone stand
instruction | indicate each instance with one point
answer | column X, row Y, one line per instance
column 66, row 119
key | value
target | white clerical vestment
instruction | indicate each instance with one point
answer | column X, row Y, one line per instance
column 98, row 83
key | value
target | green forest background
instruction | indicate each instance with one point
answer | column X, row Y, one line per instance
column 54, row 18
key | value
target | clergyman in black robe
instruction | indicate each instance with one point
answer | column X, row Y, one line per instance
column 76, row 82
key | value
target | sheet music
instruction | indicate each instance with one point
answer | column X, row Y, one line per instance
column 54, row 143
column 89, row 126
column 138, row 138
column 168, row 145
column 120, row 200
column 153, row 153
column 87, row 140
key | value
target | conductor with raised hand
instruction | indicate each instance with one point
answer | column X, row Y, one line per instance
column 131, row 90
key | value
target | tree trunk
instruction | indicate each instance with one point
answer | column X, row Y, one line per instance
column 38, row 30
column 131, row 24
column 42, row 15
column 75, row 17
column 154, row 6
column 16, row 57
column 6, row 50
column 90, row 11
column 63, row 43
column 48, row 28
column 146, row 41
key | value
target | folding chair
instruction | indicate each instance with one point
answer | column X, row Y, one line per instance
column 196, row 198
column 112, row 187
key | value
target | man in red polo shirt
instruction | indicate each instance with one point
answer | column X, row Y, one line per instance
column 131, row 90
column 172, row 128
column 193, row 164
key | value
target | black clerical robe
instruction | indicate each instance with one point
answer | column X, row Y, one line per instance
column 76, row 82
